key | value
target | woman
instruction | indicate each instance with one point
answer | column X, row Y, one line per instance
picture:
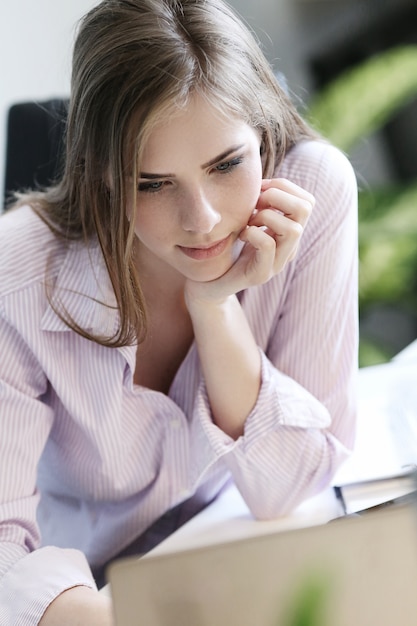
column 178, row 311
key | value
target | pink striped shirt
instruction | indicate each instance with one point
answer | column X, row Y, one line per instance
column 88, row 460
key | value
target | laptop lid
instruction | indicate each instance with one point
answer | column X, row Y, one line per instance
column 358, row 571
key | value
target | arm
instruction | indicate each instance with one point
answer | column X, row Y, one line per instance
column 79, row 606
column 30, row 576
column 305, row 325
column 228, row 351
column 230, row 361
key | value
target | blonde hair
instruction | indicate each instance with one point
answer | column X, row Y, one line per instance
column 133, row 61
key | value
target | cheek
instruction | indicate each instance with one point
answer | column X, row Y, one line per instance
column 151, row 226
column 248, row 190
column 143, row 227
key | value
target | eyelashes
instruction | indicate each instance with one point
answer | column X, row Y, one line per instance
column 155, row 186
column 228, row 166
column 151, row 186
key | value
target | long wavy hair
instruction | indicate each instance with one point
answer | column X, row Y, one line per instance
column 133, row 62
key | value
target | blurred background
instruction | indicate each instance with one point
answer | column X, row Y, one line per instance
column 351, row 68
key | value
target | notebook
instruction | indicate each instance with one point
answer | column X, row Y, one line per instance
column 353, row 571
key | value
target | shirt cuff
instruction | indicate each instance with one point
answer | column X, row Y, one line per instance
column 281, row 402
column 37, row 579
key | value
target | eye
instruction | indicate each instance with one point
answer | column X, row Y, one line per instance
column 151, row 186
column 228, row 166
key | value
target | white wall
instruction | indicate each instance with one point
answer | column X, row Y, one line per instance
column 36, row 39
column 277, row 25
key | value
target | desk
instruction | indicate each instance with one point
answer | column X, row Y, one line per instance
column 228, row 519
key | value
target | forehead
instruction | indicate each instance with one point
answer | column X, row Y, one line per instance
column 198, row 129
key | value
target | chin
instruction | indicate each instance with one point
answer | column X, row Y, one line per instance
column 207, row 272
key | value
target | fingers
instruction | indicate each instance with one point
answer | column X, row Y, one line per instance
column 273, row 251
column 288, row 186
column 288, row 198
column 262, row 263
column 281, row 214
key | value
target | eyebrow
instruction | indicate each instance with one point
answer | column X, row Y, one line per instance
column 216, row 159
column 222, row 156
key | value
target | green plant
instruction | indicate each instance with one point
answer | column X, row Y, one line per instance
column 355, row 105
column 309, row 604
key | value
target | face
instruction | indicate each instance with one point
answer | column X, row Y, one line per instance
column 200, row 179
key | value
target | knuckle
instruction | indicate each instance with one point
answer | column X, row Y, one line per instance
column 295, row 230
column 306, row 206
column 270, row 243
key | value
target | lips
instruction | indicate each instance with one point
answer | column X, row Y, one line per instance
column 201, row 253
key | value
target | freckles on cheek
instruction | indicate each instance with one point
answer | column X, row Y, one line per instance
column 249, row 195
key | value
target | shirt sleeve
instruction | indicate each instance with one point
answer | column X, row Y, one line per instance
column 30, row 577
column 35, row 580
column 303, row 425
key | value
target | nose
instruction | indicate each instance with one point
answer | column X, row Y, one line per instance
column 198, row 213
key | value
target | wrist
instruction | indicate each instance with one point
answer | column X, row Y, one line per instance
column 79, row 605
column 201, row 305
column 203, row 295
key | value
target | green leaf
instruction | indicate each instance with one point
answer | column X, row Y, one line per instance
column 390, row 210
column 372, row 353
column 387, row 246
column 363, row 98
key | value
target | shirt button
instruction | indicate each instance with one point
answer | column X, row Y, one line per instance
column 175, row 424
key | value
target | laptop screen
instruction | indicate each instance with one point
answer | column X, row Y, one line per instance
column 359, row 571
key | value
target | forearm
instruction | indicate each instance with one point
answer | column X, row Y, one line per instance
column 230, row 361
column 79, row 606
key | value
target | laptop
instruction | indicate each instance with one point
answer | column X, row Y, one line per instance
column 353, row 571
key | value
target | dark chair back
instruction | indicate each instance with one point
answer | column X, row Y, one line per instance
column 34, row 144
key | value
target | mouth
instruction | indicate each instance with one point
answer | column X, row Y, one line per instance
column 209, row 251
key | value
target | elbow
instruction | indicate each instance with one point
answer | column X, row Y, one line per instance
column 282, row 491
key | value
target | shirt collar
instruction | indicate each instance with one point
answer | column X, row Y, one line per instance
column 82, row 293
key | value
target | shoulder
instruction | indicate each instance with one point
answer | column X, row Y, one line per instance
column 319, row 167
column 326, row 172
column 28, row 250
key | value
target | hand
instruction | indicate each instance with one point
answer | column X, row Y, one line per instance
column 283, row 208
column 271, row 240
column 79, row 606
